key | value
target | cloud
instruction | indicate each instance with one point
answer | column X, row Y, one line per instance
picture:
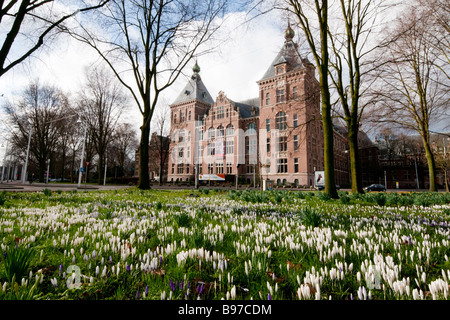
column 244, row 53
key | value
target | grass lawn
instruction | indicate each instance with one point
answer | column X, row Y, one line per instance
column 209, row 244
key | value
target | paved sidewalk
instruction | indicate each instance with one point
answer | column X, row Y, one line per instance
column 36, row 186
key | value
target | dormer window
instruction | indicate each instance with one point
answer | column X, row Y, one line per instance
column 187, row 92
column 280, row 69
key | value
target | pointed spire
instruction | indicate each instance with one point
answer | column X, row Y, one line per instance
column 289, row 33
column 196, row 68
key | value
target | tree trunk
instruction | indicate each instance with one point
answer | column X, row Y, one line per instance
column 328, row 139
column 144, row 178
column 354, row 159
column 431, row 164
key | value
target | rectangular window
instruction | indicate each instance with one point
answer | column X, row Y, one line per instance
column 219, row 167
column 210, row 168
column 268, row 125
column 229, row 168
column 280, row 95
column 199, row 153
column 282, row 165
column 181, row 136
column 211, row 149
column 189, row 115
column 268, row 145
column 249, row 169
column 182, row 118
column 295, row 121
column 181, row 152
column 294, row 93
column 230, row 146
column 267, row 99
column 296, row 165
column 220, row 112
column 295, row 142
column 283, row 144
column 180, row 168
column 173, row 168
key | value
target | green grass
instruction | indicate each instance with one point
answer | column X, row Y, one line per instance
column 215, row 242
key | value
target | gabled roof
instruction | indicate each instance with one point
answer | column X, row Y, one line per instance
column 287, row 54
column 194, row 90
column 248, row 108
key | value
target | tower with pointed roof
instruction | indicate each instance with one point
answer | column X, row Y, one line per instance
column 291, row 150
column 187, row 112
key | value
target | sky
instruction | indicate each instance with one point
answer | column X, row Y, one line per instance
column 233, row 67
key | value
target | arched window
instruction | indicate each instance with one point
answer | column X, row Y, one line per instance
column 280, row 121
column 230, row 130
column 211, row 133
column 220, row 131
column 251, row 128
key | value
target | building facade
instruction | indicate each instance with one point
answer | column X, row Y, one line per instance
column 276, row 136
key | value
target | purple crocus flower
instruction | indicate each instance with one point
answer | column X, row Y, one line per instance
column 269, row 297
column 181, row 285
column 128, row 268
column 146, row 290
column 60, row 268
column 137, row 295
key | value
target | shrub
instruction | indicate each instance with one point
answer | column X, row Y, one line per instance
column 310, row 217
column 182, row 220
column 323, row 196
column 17, row 261
column 47, row 192
column 2, row 198
column 380, row 199
column 344, row 199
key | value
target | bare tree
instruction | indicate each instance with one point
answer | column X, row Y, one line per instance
column 352, row 42
column 411, row 85
column 100, row 105
column 43, row 15
column 39, row 115
column 149, row 45
column 312, row 16
column 123, row 145
column 162, row 143
column 437, row 15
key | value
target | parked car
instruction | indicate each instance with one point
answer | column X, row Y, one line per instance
column 320, row 188
column 375, row 187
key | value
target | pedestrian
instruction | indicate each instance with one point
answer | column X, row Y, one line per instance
column 31, row 177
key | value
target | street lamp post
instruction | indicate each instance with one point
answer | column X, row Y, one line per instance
column 82, row 158
column 28, row 152
column 104, row 177
column 48, row 170
column 4, row 161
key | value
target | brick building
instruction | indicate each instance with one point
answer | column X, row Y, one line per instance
column 277, row 135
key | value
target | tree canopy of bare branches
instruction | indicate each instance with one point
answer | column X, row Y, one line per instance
column 41, row 113
column 100, row 105
column 413, row 90
column 27, row 23
column 148, row 44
